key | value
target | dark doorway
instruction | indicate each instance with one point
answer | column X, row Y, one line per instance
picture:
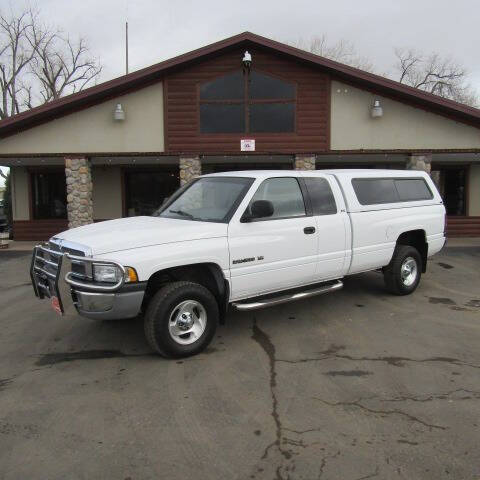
column 146, row 189
column 451, row 182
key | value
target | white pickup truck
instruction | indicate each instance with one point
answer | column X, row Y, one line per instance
column 245, row 239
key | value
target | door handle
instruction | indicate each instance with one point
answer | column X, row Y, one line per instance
column 308, row 230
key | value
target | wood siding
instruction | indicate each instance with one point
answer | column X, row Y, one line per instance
column 182, row 132
column 38, row 229
column 463, row 226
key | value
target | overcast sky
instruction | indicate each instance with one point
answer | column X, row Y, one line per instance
column 165, row 28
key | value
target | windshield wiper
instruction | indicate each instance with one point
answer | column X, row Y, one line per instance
column 182, row 213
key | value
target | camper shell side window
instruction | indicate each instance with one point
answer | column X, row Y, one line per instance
column 373, row 191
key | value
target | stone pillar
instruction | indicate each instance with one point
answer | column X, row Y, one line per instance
column 420, row 161
column 79, row 191
column 304, row 161
column 190, row 167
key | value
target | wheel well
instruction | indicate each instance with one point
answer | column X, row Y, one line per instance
column 207, row 274
column 417, row 239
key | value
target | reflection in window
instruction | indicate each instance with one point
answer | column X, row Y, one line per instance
column 272, row 117
column 222, row 118
column 147, row 190
column 321, row 196
column 228, row 87
column 49, row 195
column 263, row 86
column 285, row 195
column 244, row 103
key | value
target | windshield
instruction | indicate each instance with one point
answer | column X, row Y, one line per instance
column 208, row 199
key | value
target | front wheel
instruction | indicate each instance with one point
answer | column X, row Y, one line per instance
column 402, row 274
column 181, row 319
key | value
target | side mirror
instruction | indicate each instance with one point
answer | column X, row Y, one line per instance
column 259, row 209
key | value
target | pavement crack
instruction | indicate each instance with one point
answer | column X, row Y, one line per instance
column 401, row 413
column 323, row 463
column 259, row 336
column 435, row 396
column 370, row 475
column 333, row 352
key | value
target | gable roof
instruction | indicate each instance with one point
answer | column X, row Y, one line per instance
column 154, row 73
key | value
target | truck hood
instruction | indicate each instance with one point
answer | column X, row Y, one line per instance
column 135, row 232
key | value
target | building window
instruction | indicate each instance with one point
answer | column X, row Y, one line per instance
column 49, row 195
column 146, row 190
column 247, row 103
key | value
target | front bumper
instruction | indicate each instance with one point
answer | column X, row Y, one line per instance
column 126, row 303
column 51, row 277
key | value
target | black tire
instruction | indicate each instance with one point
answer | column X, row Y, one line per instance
column 394, row 280
column 163, row 306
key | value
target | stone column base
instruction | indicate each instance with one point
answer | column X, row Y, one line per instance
column 79, row 191
column 190, row 168
column 304, row 161
column 422, row 161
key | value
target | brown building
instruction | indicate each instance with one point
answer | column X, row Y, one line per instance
column 119, row 148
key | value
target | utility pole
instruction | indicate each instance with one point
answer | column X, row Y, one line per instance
column 126, row 47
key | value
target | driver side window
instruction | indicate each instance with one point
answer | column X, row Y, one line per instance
column 285, row 195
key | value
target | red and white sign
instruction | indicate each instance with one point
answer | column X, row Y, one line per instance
column 247, row 145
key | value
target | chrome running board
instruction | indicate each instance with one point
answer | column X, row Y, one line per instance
column 278, row 300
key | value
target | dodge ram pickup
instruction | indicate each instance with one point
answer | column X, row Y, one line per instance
column 244, row 240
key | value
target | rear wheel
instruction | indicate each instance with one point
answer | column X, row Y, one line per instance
column 181, row 319
column 402, row 275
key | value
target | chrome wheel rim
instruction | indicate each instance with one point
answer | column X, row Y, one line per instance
column 409, row 271
column 187, row 322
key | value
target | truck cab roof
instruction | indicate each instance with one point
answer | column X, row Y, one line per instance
column 339, row 173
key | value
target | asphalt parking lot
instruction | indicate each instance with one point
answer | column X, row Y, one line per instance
column 353, row 385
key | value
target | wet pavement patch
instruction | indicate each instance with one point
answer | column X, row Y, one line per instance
column 408, row 442
column 445, row 265
column 4, row 382
column 348, row 373
column 54, row 358
column 441, row 300
column 473, row 303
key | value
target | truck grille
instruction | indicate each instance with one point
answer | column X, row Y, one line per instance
column 45, row 266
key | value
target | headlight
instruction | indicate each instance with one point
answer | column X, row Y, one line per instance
column 106, row 273
column 112, row 274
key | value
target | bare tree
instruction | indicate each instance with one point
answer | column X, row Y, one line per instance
column 38, row 64
column 16, row 53
column 434, row 74
column 60, row 65
column 342, row 51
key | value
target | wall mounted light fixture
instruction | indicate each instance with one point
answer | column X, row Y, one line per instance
column 119, row 113
column 247, row 61
column 377, row 110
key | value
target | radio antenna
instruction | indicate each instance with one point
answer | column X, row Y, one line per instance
column 126, row 37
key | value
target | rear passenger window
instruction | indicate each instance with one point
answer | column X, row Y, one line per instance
column 285, row 194
column 411, row 189
column 321, row 195
column 375, row 190
column 371, row 191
